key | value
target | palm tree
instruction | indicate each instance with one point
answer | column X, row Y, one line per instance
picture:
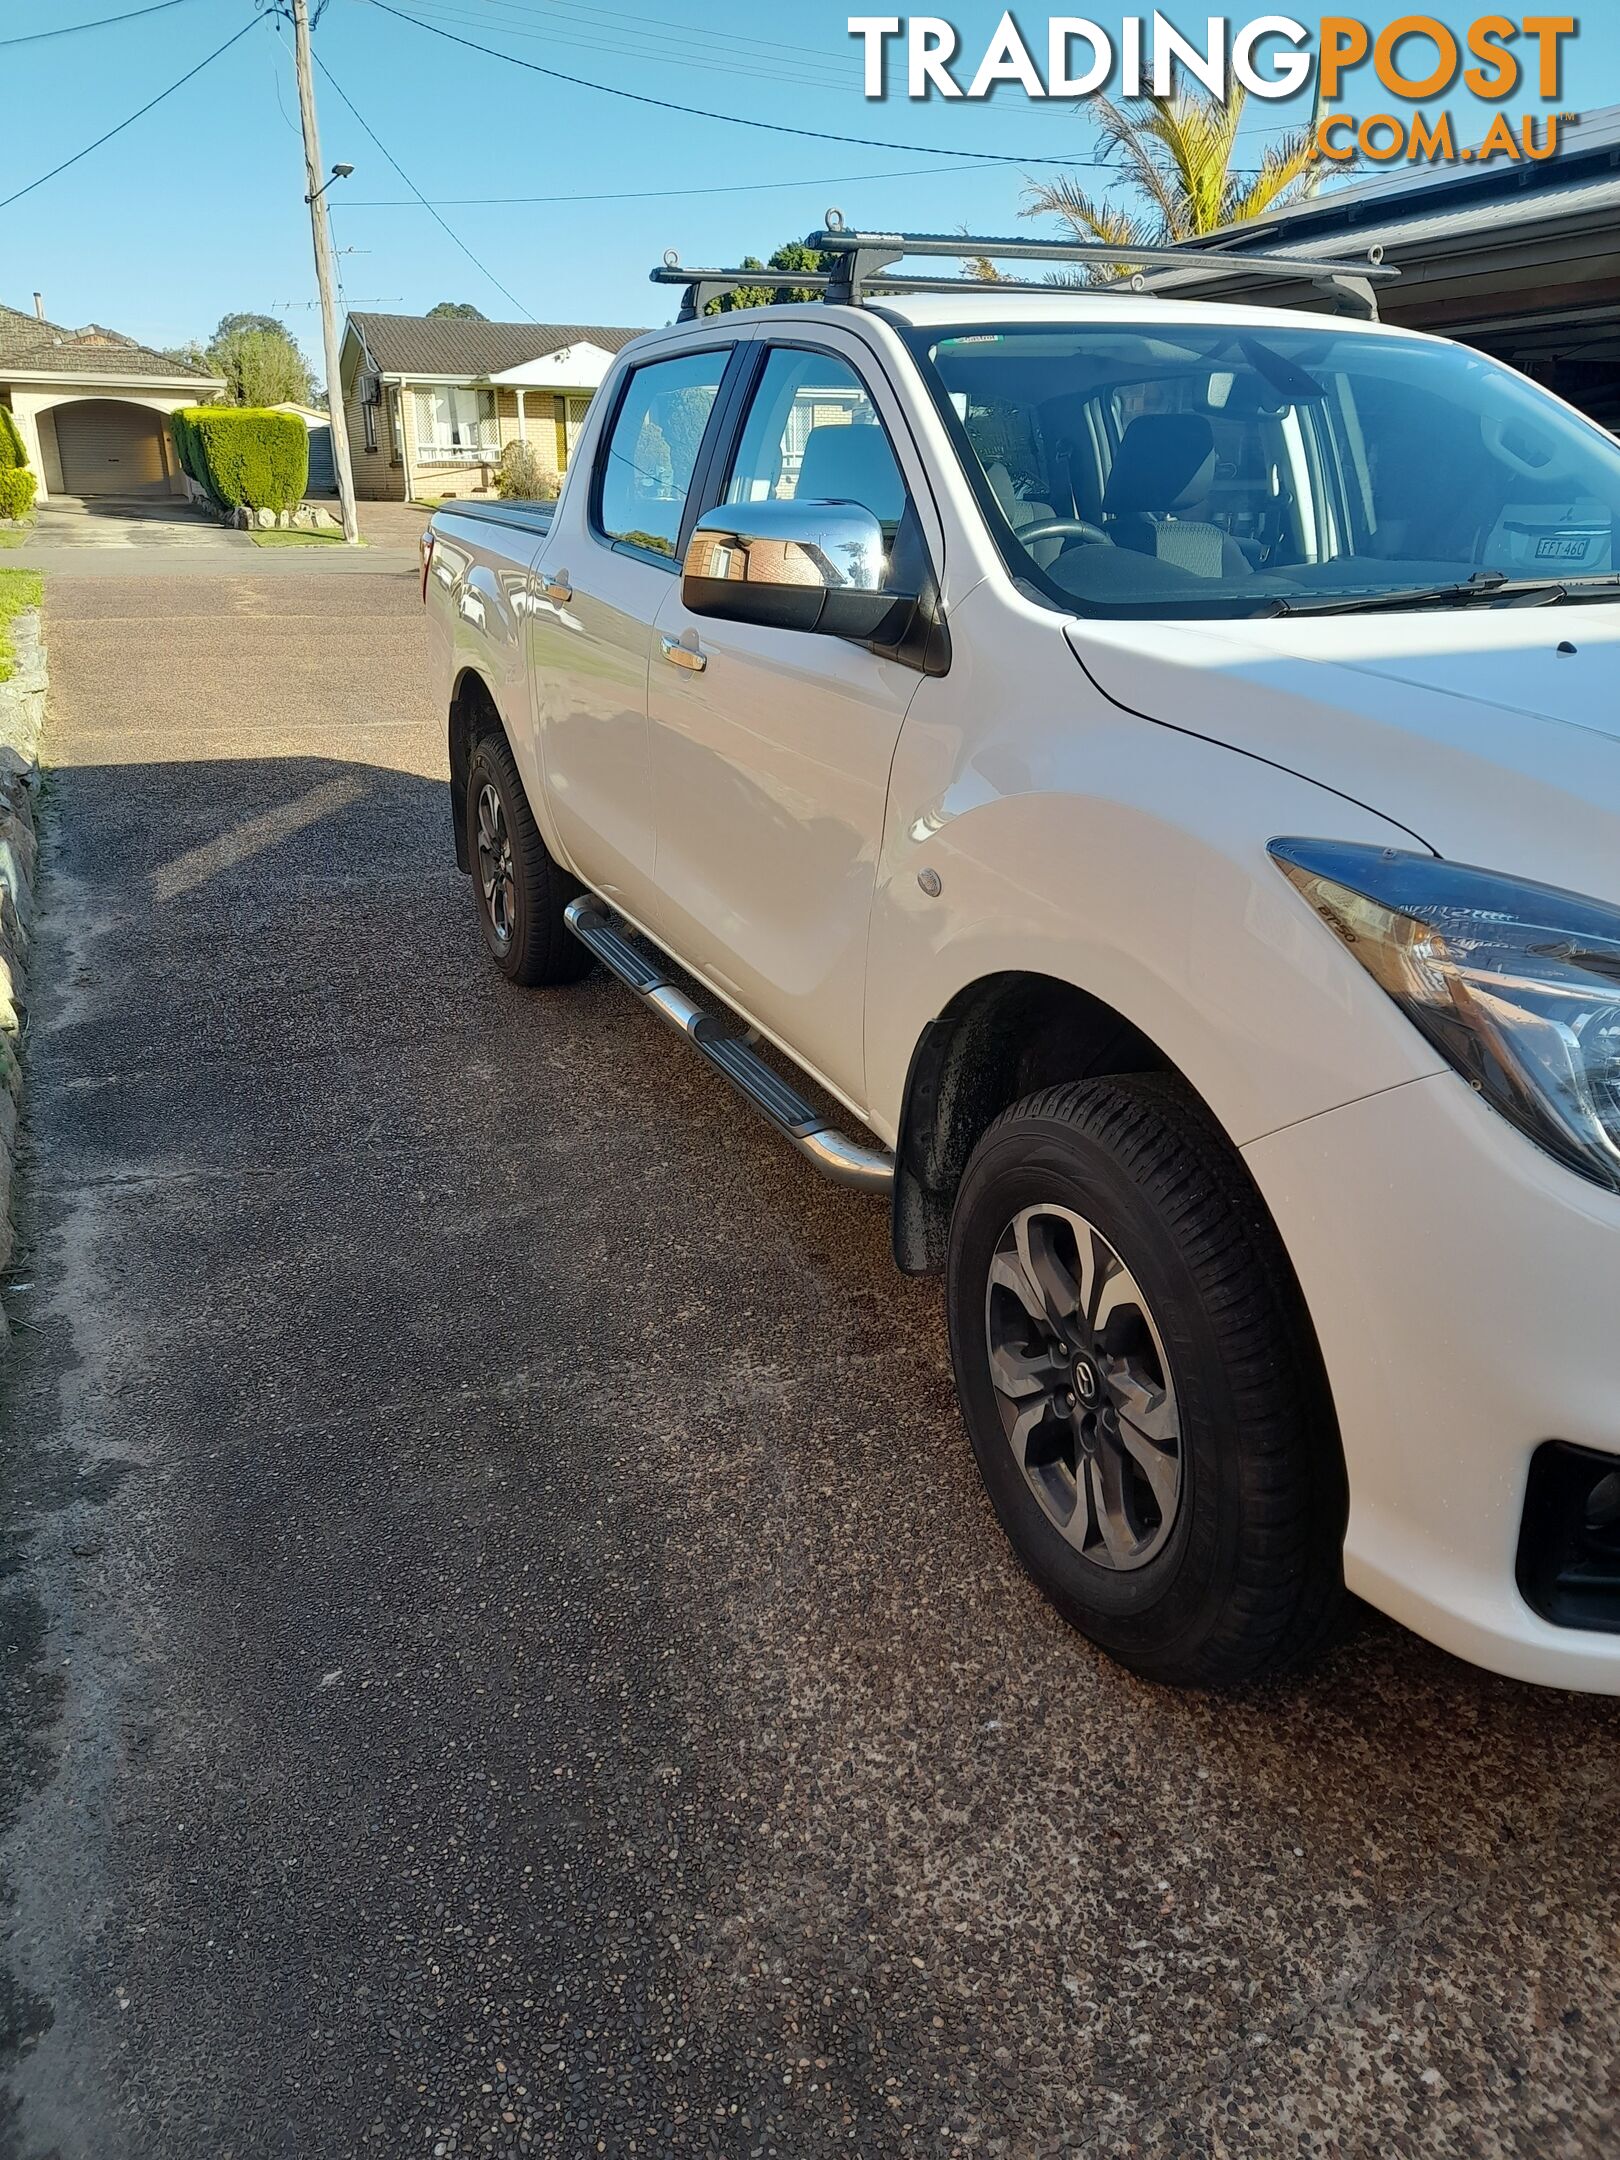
column 1177, row 155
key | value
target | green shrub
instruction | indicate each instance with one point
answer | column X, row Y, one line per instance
column 244, row 457
column 521, row 475
column 12, row 454
column 16, row 492
column 180, row 430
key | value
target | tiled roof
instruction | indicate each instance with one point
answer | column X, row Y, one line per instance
column 29, row 344
column 458, row 345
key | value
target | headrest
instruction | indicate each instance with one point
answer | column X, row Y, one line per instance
column 1165, row 462
column 852, row 463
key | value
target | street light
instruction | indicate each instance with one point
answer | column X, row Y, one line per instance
column 339, row 172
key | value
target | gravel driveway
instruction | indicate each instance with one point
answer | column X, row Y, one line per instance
column 506, row 1652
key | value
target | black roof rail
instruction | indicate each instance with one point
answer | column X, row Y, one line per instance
column 865, row 266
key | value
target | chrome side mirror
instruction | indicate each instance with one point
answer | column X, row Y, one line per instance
column 816, row 566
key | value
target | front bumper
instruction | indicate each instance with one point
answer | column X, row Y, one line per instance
column 1466, row 1295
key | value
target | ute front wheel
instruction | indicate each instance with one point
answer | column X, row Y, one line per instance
column 1140, row 1384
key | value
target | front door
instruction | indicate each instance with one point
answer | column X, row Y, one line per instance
column 771, row 765
column 606, row 568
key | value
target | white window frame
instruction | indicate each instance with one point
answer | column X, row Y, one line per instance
column 466, row 414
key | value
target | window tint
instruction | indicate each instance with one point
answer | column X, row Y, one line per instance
column 812, row 436
column 648, row 459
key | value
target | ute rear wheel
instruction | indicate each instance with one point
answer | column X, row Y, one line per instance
column 520, row 892
column 1140, row 1385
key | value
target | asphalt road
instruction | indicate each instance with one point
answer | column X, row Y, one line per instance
column 505, row 1650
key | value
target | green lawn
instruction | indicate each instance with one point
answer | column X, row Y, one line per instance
column 19, row 589
column 283, row 536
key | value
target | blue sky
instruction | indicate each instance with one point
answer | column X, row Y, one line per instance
column 197, row 209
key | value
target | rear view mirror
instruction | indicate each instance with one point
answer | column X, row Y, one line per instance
column 816, row 566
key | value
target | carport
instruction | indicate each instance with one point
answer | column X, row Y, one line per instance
column 1516, row 258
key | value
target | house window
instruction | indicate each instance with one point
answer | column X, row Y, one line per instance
column 455, row 424
column 572, row 411
column 368, row 421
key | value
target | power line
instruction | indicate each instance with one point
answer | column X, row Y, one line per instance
column 6, row 203
column 656, row 22
column 623, row 43
column 697, row 112
column 102, row 22
column 417, row 192
column 753, row 187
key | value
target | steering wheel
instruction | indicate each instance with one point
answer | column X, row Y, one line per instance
column 1065, row 528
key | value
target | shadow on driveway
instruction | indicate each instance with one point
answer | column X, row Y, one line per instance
column 508, row 1651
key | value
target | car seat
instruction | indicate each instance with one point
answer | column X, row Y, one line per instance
column 1164, row 467
column 1020, row 513
column 852, row 462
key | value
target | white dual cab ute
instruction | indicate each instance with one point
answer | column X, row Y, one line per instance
column 1137, row 782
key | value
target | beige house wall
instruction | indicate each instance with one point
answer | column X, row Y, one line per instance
column 381, row 476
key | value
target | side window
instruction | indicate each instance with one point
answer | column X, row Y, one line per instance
column 647, row 460
column 812, row 436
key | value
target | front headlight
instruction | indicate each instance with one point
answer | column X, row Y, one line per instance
column 1518, row 985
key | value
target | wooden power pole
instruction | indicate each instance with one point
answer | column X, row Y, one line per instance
column 323, row 272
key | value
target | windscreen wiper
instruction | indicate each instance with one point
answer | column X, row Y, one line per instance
column 1484, row 584
column 1489, row 588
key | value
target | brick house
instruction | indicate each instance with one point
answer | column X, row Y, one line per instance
column 432, row 400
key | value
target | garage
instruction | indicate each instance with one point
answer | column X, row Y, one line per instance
column 109, row 447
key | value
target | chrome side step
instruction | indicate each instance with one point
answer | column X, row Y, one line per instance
column 834, row 1154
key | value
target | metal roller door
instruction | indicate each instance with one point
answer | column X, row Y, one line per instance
column 107, row 448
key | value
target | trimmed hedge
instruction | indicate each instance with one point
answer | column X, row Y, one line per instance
column 16, row 492
column 180, row 434
column 242, row 456
column 13, row 457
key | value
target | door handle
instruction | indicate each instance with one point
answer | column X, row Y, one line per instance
column 557, row 587
column 686, row 656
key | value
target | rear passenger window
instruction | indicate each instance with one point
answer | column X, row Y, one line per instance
column 649, row 455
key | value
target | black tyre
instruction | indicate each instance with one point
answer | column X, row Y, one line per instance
column 519, row 891
column 1141, row 1386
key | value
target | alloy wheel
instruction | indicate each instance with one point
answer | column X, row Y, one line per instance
column 495, row 868
column 1083, row 1387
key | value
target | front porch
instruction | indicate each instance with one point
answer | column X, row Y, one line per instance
column 433, row 436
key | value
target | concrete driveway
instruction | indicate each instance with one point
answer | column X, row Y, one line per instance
column 507, row 1652
column 94, row 536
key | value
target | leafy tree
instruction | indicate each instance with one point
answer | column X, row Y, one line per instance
column 1177, row 157
column 792, row 255
column 463, row 310
column 261, row 366
column 233, row 325
column 191, row 354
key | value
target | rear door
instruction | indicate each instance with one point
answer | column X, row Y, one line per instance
column 606, row 568
column 771, row 765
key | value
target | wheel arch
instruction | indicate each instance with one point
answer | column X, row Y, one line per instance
column 998, row 1039
column 473, row 715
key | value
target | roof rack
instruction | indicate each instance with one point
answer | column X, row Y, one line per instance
column 865, row 266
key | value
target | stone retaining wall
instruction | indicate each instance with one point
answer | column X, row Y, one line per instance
column 22, row 720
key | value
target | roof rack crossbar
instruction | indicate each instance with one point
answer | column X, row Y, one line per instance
column 863, row 263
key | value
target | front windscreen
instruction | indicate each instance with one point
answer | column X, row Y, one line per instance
column 1217, row 471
